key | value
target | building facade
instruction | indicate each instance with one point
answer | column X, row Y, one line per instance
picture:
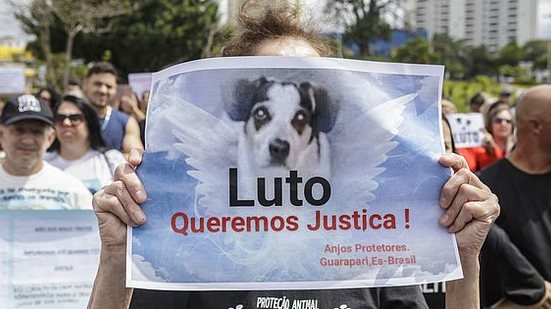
column 493, row 23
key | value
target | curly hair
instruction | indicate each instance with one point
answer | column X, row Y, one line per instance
column 258, row 23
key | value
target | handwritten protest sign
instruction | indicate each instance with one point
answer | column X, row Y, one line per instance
column 48, row 258
column 12, row 79
column 292, row 173
column 139, row 82
column 467, row 129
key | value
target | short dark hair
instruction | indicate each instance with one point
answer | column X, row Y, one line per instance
column 478, row 99
column 55, row 97
column 102, row 68
column 258, row 23
column 92, row 123
column 73, row 82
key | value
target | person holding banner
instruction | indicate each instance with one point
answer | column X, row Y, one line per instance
column 470, row 207
column 499, row 126
column 26, row 180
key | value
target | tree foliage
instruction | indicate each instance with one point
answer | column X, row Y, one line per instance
column 147, row 36
column 72, row 17
column 363, row 21
column 415, row 51
column 510, row 54
column 451, row 53
column 158, row 33
column 483, row 62
column 536, row 52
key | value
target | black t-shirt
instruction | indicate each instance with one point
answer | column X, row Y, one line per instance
column 395, row 297
column 505, row 273
column 525, row 201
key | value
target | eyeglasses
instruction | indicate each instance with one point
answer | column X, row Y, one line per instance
column 499, row 120
column 75, row 119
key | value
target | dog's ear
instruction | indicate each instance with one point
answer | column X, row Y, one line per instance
column 324, row 111
column 244, row 97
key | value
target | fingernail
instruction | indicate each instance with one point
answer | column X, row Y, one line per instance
column 141, row 219
column 133, row 154
column 444, row 219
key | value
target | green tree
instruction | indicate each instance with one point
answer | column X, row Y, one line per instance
column 148, row 36
column 481, row 62
column 49, row 18
column 86, row 16
column 453, row 54
column 363, row 20
column 510, row 54
column 36, row 18
column 158, row 33
column 536, row 52
column 416, row 51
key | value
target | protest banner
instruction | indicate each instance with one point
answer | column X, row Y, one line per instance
column 12, row 79
column 467, row 129
column 48, row 258
column 292, row 173
column 139, row 82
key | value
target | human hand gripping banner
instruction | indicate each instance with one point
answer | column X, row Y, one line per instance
column 292, row 173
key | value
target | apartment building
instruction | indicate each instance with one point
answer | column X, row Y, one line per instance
column 493, row 23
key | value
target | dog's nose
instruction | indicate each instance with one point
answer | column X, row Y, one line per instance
column 279, row 150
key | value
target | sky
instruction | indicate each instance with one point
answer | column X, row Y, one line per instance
column 10, row 27
column 544, row 24
column 8, row 24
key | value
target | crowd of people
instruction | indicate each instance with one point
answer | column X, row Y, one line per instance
column 89, row 140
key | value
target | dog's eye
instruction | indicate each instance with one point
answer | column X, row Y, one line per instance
column 260, row 113
column 301, row 118
column 300, row 121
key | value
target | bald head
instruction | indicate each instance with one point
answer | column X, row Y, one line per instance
column 532, row 153
column 535, row 104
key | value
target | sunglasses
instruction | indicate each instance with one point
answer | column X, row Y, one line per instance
column 75, row 119
column 499, row 120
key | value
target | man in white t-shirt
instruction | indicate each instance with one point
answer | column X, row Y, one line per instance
column 26, row 181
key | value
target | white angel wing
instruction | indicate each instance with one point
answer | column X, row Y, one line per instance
column 210, row 144
column 359, row 147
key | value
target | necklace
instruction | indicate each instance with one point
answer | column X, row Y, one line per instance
column 107, row 117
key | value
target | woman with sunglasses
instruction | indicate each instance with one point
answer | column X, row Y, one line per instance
column 79, row 148
column 498, row 138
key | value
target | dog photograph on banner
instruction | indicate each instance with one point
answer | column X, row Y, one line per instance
column 297, row 173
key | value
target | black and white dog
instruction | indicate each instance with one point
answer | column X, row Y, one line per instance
column 284, row 127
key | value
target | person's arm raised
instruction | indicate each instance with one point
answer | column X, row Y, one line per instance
column 131, row 138
column 116, row 206
column 470, row 210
